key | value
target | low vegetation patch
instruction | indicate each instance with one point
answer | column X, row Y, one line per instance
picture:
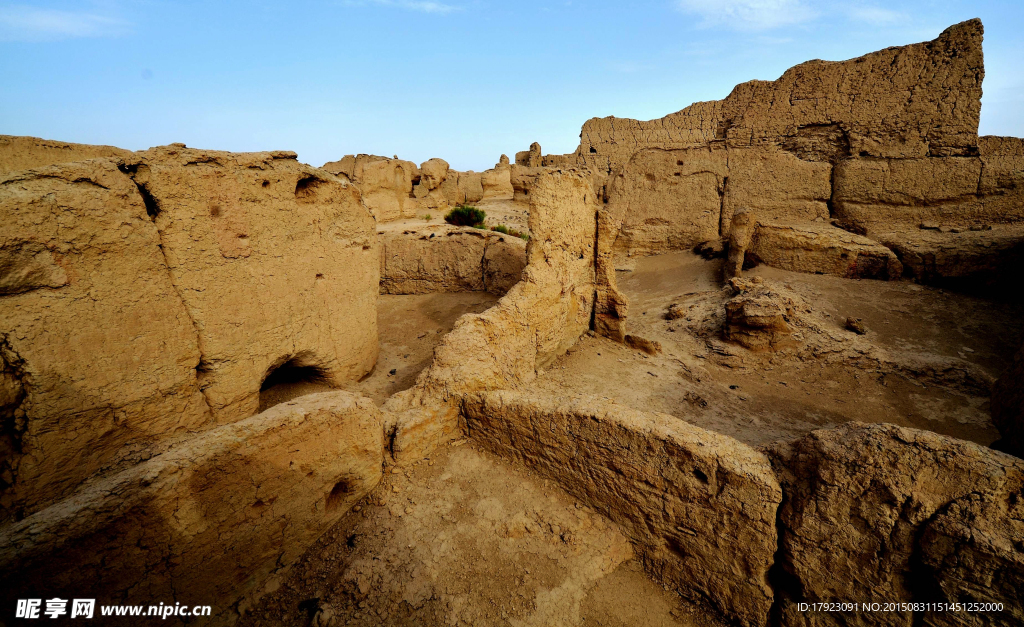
column 501, row 228
column 465, row 215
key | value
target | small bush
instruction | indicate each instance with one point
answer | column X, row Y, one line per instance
column 501, row 228
column 428, row 217
column 464, row 215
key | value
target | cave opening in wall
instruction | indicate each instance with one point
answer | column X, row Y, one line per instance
column 295, row 377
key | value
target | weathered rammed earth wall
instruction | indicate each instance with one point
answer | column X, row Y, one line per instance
column 544, row 314
column 149, row 296
column 146, row 297
column 871, row 513
column 449, row 259
column 880, row 145
column 24, row 153
column 394, row 189
column 214, row 521
column 910, row 101
column 700, row 507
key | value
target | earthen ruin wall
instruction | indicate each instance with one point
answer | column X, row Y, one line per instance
column 449, row 259
column 216, row 520
column 149, row 297
column 543, row 315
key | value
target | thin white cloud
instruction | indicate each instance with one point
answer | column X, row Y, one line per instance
column 763, row 15
column 26, row 23
column 417, row 5
column 752, row 15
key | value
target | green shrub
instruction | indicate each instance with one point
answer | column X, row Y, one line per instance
column 464, row 215
column 428, row 217
column 501, row 228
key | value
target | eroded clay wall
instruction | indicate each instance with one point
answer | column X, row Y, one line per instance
column 99, row 352
column 537, row 320
column 450, row 259
column 910, row 101
column 855, row 511
column 699, row 506
column 149, row 297
column 217, row 520
column 394, row 189
column 867, row 168
column 23, row 153
column 880, row 511
column 277, row 262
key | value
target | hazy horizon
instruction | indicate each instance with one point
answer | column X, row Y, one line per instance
column 462, row 80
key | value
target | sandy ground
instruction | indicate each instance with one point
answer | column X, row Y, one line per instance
column 760, row 403
column 467, row 539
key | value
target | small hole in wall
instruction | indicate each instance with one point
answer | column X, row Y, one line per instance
column 863, row 153
column 214, row 210
column 305, row 188
column 338, row 493
column 593, row 150
column 319, row 275
column 700, row 476
column 265, row 184
column 290, row 380
column 680, row 162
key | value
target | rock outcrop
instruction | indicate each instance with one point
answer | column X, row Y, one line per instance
column 699, row 506
column 216, row 520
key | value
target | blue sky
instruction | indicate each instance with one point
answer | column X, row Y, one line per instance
column 465, row 80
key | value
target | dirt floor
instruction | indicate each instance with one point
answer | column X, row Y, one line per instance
column 409, row 326
column 758, row 398
column 467, row 539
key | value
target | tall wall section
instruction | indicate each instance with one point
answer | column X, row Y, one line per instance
column 883, row 146
column 146, row 297
column 145, row 300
